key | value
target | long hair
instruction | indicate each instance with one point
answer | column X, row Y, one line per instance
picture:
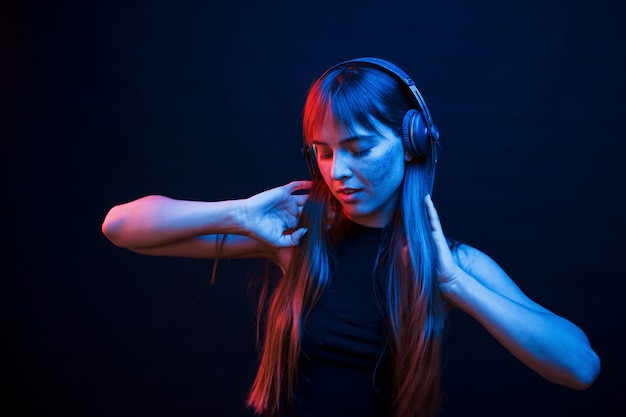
column 355, row 95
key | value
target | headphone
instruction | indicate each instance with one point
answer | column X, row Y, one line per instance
column 418, row 132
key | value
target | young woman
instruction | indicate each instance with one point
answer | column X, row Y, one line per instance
column 354, row 326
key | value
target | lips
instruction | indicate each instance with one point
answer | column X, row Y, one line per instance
column 347, row 190
column 348, row 195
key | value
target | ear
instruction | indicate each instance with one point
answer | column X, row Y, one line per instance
column 407, row 156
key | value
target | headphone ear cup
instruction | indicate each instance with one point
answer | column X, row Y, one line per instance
column 415, row 136
column 311, row 161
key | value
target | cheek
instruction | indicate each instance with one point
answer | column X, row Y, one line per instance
column 326, row 175
column 385, row 173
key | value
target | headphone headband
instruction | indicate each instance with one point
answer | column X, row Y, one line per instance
column 397, row 73
column 418, row 132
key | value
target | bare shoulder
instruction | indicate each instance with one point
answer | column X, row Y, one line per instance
column 484, row 269
column 471, row 259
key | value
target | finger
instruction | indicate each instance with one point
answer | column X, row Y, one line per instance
column 441, row 244
column 294, row 186
column 435, row 223
column 296, row 236
column 290, row 223
column 301, row 199
column 296, row 210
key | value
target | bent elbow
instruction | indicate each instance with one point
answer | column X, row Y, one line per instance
column 583, row 373
column 112, row 226
column 588, row 372
column 579, row 371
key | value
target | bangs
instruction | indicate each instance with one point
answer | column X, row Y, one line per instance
column 316, row 112
column 350, row 97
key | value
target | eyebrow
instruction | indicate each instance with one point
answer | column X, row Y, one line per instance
column 346, row 140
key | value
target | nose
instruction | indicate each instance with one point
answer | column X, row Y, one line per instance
column 341, row 167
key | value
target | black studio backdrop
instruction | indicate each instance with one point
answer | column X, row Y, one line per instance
column 105, row 102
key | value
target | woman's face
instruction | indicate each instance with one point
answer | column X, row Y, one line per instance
column 363, row 169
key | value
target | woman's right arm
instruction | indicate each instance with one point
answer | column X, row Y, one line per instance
column 255, row 227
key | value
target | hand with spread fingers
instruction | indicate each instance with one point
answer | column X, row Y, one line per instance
column 272, row 216
column 448, row 269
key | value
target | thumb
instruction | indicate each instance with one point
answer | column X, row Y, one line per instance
column 297, row 236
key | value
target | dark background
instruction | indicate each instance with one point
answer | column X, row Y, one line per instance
column 104, row 102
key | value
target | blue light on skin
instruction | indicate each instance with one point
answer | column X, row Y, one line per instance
column 364, row 170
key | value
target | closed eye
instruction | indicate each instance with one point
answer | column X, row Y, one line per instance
column 357, row 146
column 360, row 152
column 323, row 154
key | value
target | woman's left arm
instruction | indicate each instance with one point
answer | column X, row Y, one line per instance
column 549, row 344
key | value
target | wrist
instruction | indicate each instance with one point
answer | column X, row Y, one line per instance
column 239, row 216
column 457, row 288
column 220, row 217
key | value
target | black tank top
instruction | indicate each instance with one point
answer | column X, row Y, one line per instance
column 343, row 369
